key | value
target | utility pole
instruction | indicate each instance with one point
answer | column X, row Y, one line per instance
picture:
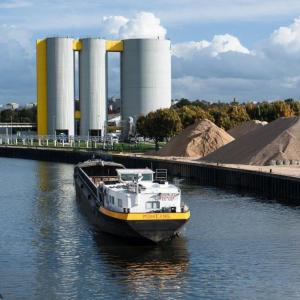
column 11, row 121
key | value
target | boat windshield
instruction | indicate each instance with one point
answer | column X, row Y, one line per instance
column 135, row 176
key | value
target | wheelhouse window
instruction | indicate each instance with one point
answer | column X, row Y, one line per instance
column 112, row 199
column 120, row 202
column 134, row 177
column 147, row 177
column 152, row 205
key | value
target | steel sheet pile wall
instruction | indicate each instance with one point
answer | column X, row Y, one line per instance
column 60, row 85
column 276, row 187
column 92, row 78
column 145, row 76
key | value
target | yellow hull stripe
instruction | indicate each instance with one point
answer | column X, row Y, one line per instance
column 145, row 216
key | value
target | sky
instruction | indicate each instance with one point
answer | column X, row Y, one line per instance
column 221, row 49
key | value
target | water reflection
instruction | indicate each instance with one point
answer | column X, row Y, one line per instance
column 43, row 173
column 145, row 267
column 233, row 248
column 58, row 246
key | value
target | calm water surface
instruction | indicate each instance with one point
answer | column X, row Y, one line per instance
column 233, row 248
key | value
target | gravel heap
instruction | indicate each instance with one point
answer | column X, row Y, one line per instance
column 197, row 140
column 275, row 143
column 245, row 128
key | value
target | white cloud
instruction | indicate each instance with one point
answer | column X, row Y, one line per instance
column 10, row 34
column 187, row 11
column 111, row 25
column 219, row 44
column 142, row 25
column 225, row 89
column 220, row 67
column 17, row 67
column 223, row 68
column 288, row 37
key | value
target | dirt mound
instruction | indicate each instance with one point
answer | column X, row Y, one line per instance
column 245, row 128
column 197, row 140
column 277, row 142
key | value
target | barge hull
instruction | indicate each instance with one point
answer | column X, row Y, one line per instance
column 148, row 230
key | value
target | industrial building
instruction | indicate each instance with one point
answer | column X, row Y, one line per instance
column 145, row 82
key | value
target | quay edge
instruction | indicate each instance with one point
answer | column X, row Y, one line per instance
column 285, row 189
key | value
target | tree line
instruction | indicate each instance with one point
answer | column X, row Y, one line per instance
column 23, row 115
column 165, row 123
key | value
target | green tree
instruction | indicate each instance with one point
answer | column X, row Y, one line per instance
column 221, row 118
column 182, row 102
column 160, row 124
column 9, row 115
column 24, row 115
column 141, row 126
column 237, row 114
column 283, row 109
column 189, row 114
column 295, row 106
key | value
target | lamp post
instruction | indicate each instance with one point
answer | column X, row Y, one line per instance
column 54, row 131
column 99, row 126
column 11, row 119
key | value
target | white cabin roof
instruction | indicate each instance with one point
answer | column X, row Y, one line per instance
column 134, row 171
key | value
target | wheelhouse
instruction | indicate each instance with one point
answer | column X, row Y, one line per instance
column 135, row 175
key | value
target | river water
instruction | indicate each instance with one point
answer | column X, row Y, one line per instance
column 233, row 248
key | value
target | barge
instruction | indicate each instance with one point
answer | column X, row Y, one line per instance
column 130, row 203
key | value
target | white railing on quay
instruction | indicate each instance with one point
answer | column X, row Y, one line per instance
column 56, row 141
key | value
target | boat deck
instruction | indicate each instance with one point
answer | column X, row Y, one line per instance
column 97, row 180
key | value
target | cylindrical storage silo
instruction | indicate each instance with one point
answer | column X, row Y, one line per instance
column 92, row 87
column 145, row 76
column 60, row 86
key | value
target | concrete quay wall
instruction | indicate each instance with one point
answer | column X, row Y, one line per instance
column 265, row 185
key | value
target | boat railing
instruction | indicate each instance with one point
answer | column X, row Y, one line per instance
column 161, row 175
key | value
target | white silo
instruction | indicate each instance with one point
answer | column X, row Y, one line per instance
column 92, row 87
column 145, row 76
column 60, row 85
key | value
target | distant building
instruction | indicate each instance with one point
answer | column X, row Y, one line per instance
column 114, row 120
column 30, row 105
column 11, row 105
column 114, row 105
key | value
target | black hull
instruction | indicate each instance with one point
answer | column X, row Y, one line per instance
column 150, row 230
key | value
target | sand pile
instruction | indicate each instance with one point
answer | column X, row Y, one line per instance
column 278, row 142
column 197, row 140
column 245, row 128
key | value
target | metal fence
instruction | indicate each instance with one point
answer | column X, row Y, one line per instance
column 78, row 142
